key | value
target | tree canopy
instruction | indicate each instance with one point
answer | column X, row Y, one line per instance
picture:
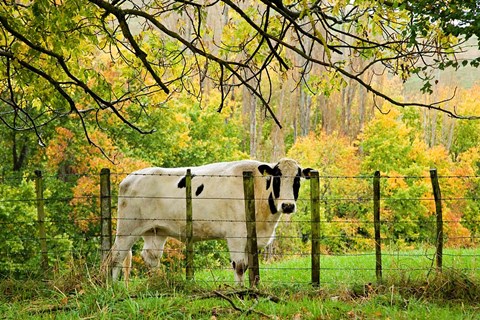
column 83, row 58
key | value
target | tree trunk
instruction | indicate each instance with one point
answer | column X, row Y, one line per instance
column 348, row 96
column 19, row 156
column 362, row 111
column 253, row 126
column 433, row 128
column 328, row 115
column 278, row 138
column 448, row 127
column 305, row 102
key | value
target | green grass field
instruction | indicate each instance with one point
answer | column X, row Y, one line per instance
column 411, row 289
column 355, row 268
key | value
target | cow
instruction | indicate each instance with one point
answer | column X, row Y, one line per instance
column 152, row 205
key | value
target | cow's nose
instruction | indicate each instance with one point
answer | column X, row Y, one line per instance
column 288, row 207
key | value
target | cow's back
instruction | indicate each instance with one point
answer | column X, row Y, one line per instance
column 156, row 197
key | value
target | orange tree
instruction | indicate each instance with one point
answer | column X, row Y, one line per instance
column 404, row 160
column 71, row 171
column 342, row 192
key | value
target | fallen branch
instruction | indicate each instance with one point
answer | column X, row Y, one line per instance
column 242, row 293
column 248, row 311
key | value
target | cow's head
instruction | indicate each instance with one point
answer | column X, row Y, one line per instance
column 283, row 183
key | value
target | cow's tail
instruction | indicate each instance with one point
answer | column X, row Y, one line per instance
column 106, row 266
column 127, row 267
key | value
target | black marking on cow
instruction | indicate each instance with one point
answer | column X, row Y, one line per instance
column 199, row 190
column 271, row 204
column 306, row 173
column 240, row 267
column 276, row 186
column 274, row 172
column 183, row 182
column 266, row 169
column 296, row 184
column 277, row 173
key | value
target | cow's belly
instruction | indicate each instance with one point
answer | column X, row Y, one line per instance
column 212, row 218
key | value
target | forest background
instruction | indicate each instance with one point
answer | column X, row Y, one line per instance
column 341, row 130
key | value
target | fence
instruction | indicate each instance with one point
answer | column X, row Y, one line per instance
column 330, row 224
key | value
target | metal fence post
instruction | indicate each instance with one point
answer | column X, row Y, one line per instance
column 438, row 209
column 189, row 268
column 41, row 219
column 105, row 212
column 376, row 225
column 252, row 246
column 315, row 215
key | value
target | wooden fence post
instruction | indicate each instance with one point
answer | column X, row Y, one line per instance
column 252, row 246
column 41, row 219
column 189, row 268
column 105, row 212
column 438, row 208
column 376, row 225
column 315, row 223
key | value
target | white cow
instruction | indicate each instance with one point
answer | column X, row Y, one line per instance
column 152, row 205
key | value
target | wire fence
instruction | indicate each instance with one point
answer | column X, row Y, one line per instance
column 352, row 245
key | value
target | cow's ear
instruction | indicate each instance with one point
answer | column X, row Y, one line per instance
column 266, row 169
column 306, row 172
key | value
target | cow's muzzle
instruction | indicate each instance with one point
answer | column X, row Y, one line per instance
column 288, row 207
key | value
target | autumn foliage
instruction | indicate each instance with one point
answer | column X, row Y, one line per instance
column 69, row 157
column 400, row 153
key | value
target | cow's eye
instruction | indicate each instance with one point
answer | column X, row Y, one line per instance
column 269, row 181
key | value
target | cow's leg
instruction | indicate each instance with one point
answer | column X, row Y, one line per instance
column 153, row 248
column 127, row 267
column 239, row 258
column 120, row 250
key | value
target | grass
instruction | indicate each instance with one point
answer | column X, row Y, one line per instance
column 410, row 290
column 350, row 269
